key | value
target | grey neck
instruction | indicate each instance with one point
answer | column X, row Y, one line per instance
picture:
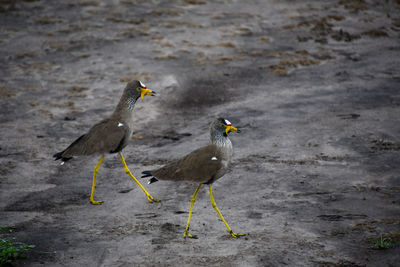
column 220, row 139
column 124, row 109
column 131, row 101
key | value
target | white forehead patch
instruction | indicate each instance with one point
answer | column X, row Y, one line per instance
column 214, row 158
column 142, row 84
column 228, row 122
column 120, row 124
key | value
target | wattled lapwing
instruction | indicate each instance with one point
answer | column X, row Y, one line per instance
column 203, row 166
column 110, row 135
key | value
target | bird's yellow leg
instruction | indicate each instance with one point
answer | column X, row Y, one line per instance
column 96, row 169
column 220, row 215
column 190, row 213
column 149, row 197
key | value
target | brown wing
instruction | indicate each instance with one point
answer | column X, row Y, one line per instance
column 104, row 137
column 199, row 166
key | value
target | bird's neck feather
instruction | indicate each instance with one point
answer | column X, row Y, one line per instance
column 220, row 140
column 124, row 109
column 130, row 102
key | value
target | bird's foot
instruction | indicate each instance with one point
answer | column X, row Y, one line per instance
column 96, row 202
column 236, row 235
column 152, row 199
column 186, row 234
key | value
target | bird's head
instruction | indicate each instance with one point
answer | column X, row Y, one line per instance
column 224, row 126
column 137, row 89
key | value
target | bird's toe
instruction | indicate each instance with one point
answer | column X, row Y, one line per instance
column 186, row 234
column 152, row 199
column 96, row 202
column 236, row 235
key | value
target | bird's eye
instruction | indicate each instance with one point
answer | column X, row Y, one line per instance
column 138, row 89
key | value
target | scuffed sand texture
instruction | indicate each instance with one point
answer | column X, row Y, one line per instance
column 313, row 85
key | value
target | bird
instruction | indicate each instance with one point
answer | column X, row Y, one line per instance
column 203, row 166
column 110, row 135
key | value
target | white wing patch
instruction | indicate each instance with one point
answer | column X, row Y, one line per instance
column 62, row 163
column 142, row 84
column 120, row 124
column 228, row 122
column 214, row 158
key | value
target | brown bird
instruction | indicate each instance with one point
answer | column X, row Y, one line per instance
column 110, row 135
column 203, row 166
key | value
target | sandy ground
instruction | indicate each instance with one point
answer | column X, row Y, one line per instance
column 313, row 85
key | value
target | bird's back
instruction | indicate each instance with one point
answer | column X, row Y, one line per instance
column 200, row 166
column 107, row 136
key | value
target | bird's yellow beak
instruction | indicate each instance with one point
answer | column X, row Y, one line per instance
column 145, row 91
column 230, row 128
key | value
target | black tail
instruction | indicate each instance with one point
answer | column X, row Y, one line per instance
column 148, row 174
column 58, row 156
